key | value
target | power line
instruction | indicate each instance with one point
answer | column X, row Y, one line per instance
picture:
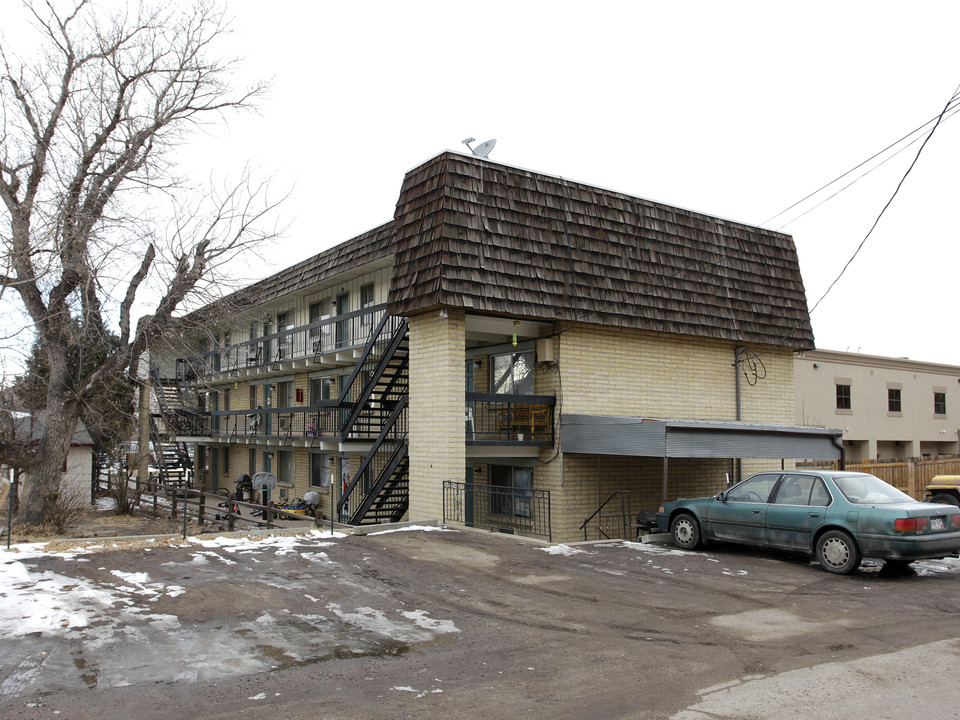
column 936, row 119
column 890, row 201
column 916, row 157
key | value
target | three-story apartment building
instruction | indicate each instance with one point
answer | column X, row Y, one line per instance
column 510, row 351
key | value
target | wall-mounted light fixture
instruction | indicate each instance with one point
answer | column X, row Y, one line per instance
column 516, row 324
column 443, row 313
column 816, row 365
column 476, row 364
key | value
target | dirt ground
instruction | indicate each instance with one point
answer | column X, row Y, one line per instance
column 467, row 624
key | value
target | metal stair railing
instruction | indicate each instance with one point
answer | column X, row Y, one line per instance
column 382, row 491
column 624, row 514
column 386, row 434
column 384, row 361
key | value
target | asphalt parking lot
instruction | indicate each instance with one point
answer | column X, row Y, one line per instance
column 466, row 624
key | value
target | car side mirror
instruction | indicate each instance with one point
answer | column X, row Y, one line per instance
column 721, row 496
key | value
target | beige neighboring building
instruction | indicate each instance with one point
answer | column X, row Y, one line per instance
column 510, row 352
column 887, row 407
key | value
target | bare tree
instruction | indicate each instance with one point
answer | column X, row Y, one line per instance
column 87, row 125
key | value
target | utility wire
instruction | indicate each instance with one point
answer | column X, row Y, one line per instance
column 650, row 286
column 889, row 202
column 875, row 222
column 857, row 167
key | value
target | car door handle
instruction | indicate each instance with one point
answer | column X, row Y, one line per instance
column 756, row 512
column 814, row 514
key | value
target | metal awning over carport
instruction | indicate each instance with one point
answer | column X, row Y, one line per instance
column 652, row 437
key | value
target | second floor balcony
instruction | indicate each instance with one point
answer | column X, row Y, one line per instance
column 491, row 419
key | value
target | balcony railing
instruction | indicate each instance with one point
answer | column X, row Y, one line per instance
column 510, row 510
column 313, row 341
column 496, row 419
column 266, row 423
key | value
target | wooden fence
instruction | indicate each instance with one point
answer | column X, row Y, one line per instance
column 911, row 475
column 160, row 499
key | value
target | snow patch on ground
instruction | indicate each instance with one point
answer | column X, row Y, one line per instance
column 409, row 528
column 654, row 548
column 937, row 567
column 562, row 550
column 422, row 619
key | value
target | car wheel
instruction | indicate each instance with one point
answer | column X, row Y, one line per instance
column 943, row 499
column 837, row 552
column 686, row 531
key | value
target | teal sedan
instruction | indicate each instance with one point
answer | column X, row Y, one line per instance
column 837, row 517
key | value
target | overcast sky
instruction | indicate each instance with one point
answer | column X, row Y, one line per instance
column 736, row 109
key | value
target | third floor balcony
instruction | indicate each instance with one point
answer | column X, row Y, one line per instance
column 332, row 342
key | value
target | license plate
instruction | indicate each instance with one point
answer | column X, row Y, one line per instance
column 936, row 523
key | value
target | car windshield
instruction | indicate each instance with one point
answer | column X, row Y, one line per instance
column 869, row 490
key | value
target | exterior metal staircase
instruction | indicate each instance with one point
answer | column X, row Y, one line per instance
column 172, row 459
column 374, row 406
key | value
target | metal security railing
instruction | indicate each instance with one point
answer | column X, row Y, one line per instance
column 502, row 509
column 313, row 341
column 296, row 422
column 496, row 419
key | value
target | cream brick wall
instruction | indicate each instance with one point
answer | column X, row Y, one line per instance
column 607, row 371
column 437, row 440
column 631, row 373
column 600, row 371
column 580, row 483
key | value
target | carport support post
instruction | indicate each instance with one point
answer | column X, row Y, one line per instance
column 666, row 466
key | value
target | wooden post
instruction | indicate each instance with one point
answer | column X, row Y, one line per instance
column 202, row 507
column 666, row 474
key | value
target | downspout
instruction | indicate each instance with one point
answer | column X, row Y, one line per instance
column 737, row 463
column 838, row 441
column 736, row 364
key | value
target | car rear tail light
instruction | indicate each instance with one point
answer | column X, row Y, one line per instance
column 955, row 520
column 910, row 524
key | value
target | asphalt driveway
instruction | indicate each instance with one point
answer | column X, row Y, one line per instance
column 461, row 623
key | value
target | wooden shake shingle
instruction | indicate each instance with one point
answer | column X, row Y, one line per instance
column 491, row 238
column 494, row 239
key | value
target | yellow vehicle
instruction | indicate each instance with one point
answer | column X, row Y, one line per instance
column 944, row 489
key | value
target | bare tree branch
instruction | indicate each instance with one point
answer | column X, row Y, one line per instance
column 97, row 114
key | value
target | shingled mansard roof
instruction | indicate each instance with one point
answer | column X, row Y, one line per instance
column 366, row 248
column 490, row 238
column 497, row 239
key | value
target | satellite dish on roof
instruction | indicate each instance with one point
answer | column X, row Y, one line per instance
column 483, row 149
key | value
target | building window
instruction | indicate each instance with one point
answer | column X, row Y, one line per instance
column 267, row 461
column 512, row 373
column 893, row 400
column 320, row 470
column 285, row 394
column 320, row 389
column 285, row 467
column 366, row 295
column 843, row 397
column 510, row 490
column 939, row 403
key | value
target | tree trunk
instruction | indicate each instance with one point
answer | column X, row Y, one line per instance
column 41, row 488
